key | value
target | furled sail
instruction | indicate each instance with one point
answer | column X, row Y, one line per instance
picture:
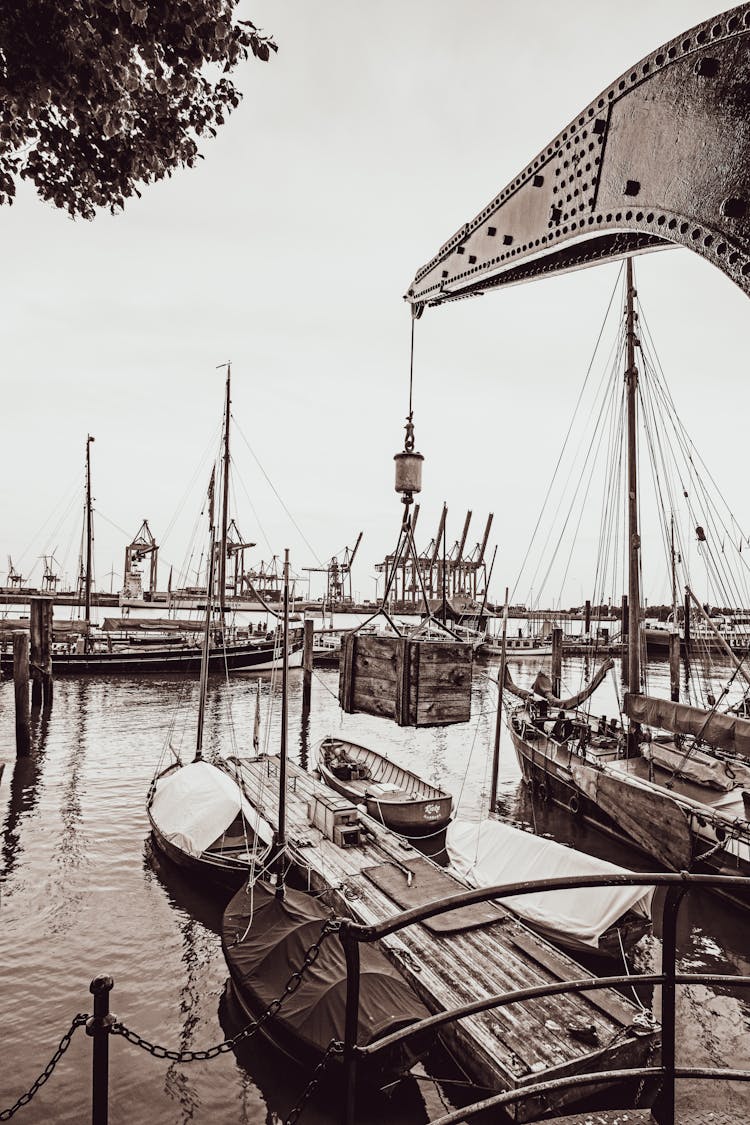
column 724, row 732
column 542, row 686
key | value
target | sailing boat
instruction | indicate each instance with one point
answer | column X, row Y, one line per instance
column 228, row 649
column 668, row 777
column 267, row 929
column 199, row 816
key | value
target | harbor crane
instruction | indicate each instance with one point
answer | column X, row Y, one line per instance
column 50, row 578
column 15, row 578
column 236, row 547
column 142, row 546
column 338, row 575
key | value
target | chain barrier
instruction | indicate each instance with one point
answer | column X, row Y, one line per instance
column 335, row 1047
column 332, row 926
column 79, row 1021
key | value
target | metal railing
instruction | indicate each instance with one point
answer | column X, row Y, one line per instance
column 103, row 1024
column 352, row 934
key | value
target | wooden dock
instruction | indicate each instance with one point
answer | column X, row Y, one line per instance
column 451, row 960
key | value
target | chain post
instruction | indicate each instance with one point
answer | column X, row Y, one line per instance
column 99, row 1027
column 351, row 1023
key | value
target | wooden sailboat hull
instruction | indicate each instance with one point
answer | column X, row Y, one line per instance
column 396, row 797
column 678, row 835
column 246, row 657
column 210, row 871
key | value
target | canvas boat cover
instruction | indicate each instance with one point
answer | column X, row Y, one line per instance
column 488, row 852
column 725, row 732
column 195, row 804
column 273, row 946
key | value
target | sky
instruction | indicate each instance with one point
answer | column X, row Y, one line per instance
column 355, row 153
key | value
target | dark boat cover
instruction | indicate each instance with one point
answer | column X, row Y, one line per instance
column 274, row 947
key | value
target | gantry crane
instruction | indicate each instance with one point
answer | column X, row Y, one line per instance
column 338, row 575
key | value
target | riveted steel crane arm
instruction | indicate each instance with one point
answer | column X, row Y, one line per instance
column 660, row 158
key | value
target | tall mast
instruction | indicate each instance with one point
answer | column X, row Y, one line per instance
column 634, row 541
column 89, row 537
column 203, row 689
column 281, row 835
column 225, row 504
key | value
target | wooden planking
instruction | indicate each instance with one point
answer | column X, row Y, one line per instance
column 501, row 1048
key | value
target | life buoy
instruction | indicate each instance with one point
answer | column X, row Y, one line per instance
column 574, row 804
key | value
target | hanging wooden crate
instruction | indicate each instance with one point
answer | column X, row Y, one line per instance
column 417, row 683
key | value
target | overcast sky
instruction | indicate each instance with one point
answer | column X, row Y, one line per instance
column 372, row 135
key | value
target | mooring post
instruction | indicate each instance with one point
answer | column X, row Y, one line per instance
column 686, row 630
column 557, row 635
column 674, row 665
column 307, row 663
column 351, row 952
column 99, row 1027
column 21, row 684
column 46, row 660
column 587, row 620
column 624, row 630
column 36, row 630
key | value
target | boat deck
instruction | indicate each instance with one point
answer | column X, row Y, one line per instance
column 501, row 1049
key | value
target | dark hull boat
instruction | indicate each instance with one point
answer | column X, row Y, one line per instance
column 396, row 797
column 246, row 656
column 201, row 822
column 265, row 939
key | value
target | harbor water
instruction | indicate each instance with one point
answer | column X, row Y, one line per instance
column 81, row 893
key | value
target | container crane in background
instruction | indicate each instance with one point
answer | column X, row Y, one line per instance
column 338, row 575
column 143, row 545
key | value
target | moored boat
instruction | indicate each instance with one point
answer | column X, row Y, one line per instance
column 202, row 822
column 395, row 796
column 604, row 921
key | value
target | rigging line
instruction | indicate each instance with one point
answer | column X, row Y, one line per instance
column 253, row 509
column 276, row 494
column 199, row 469
column 602, row 391
column 594, row 443
column 570, row 426
column 411, row 366
column 72, row 490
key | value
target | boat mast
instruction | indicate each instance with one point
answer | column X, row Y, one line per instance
column 203, row 689
column 281, row 834
column 225, row 505
column 89, row 540
column 634, row 541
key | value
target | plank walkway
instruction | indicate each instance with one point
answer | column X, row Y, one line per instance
column 501, row 1049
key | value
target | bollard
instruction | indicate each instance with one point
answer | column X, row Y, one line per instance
column 98, row 1027
column 307, row 663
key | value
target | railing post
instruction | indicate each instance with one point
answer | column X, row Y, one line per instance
column 672, row 901
column 98, row 1027
column 351, row 952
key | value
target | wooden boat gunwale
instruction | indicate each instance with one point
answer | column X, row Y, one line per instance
column 398, row 811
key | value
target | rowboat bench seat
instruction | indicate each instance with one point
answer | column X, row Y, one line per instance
column 380, row 789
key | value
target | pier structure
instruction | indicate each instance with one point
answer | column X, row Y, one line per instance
column 447, row 960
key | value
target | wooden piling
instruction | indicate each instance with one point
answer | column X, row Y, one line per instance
column 686, row 631
column 21, row 684
column 587, row 620
column 307, row 663
column 36, row 630
column 624, row 630
column 674, row 666
column 46, row 653
column 557, row 635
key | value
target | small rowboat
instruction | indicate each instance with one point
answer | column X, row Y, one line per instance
column 396, row 797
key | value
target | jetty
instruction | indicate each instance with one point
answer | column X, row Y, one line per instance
column 475, row 951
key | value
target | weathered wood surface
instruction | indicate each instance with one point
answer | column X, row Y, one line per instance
column 413, row 682
column 501, row 1049
column 21, row 690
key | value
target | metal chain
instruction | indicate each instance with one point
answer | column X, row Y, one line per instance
column 79, row 1021
column 335, row 1047
column 332, row 926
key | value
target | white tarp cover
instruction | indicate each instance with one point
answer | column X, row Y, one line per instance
column 488, row 852
column 195, row 804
